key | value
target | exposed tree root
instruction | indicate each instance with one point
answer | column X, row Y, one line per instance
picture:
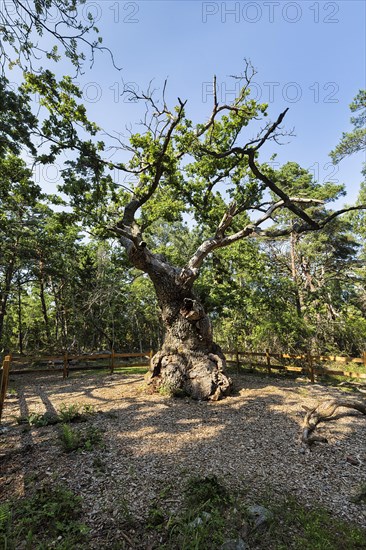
column 322, row 413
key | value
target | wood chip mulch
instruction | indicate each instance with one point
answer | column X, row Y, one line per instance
column 152, row 444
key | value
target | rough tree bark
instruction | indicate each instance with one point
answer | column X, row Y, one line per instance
column 189, row 362
column 5, row 291
column 41, row 279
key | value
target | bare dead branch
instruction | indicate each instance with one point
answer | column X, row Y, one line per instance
column 136, row 202
column 322, row 412
column 273, row 187
column 343, row 211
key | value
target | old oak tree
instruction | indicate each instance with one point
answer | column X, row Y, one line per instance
column 210, row 171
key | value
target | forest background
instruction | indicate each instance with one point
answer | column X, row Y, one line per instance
column 66, row 284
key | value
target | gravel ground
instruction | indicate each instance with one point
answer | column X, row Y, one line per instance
column 250, row 440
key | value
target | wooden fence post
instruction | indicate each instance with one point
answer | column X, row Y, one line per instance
column 4, row 382
column 282, row 360
column 237, row 361
column 66, row 365
column 364, row 358
column 311, row 367
column 268, row 359
column 112, row 361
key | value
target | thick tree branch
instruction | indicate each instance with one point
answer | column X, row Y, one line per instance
column 274, row 233
column 250, row 152
column 190, row 272
column 270, row 131
column 339, row 212
column 273, row 187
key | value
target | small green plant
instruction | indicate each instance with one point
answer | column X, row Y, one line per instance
column 166, row 390
column 66, row 414
column 92, row 438
column 72, row 439
column 69, row 438
column 5, row 524
column 197, row 529
column 207, row 492
column 88, row 409
column 156, row 517
column 165, row 491
column 75, row 412
column 38, row 420
column 124, row 511
column 99, row 465
column 169, row 390
column 35, row 522
column 21, row 419
column 69, row 413
column 202, row 523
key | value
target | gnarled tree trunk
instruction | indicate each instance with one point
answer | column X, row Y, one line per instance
column 189, row 362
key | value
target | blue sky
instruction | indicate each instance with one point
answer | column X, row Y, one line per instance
column 310, row 57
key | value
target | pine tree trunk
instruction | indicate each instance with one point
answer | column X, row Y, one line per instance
column 57, row 311
column 43, row 300
column 20, row 319
column 294, row 274
column 4, row 293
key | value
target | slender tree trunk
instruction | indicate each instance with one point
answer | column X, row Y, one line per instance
column 294, row 274
column 65, row 327
column 138, row 332
column 57, row 311
column 20, row 319
column 4, row 294
column 189, row 361
column 63, row 317
column 43, row 301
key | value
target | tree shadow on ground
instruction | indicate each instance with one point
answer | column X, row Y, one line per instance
column 153, row 444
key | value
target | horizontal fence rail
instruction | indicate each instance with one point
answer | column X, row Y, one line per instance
column 270, row 360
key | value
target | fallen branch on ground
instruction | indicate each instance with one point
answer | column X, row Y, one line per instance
column 321, row 413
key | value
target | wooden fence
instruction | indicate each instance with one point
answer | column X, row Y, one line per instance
column 69, row 362
column 59, row 363
column 310, row 364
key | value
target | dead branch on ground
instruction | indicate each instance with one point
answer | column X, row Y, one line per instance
column 321, row 413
